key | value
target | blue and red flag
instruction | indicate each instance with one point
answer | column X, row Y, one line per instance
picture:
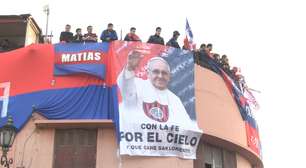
column 253, row 139
column 188, row 41
column 244, row 106
column 251, row 126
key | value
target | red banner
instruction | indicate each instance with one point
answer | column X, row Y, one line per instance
column 253, row 138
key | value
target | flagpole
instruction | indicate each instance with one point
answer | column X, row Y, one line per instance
column 47, row 11
column 254, row 90
column 121, row 34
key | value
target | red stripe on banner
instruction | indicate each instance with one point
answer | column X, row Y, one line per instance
column 1, row 92
column 17, row 68
column 113, row 67
column 253, row 138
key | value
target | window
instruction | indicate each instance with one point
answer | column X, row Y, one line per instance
column 207, row 165
column 213, row 157
column 75, row 148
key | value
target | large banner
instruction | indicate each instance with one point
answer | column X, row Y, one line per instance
column 28, row 84
column 155, row 85
column 157, row 106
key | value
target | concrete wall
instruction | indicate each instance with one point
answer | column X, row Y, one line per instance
column 33, row 147
column 32, row 36
column 217, row 113
column 242, row 162
column 107, row 149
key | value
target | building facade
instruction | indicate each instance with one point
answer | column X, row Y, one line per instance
column 92, row 143
column 18, row 31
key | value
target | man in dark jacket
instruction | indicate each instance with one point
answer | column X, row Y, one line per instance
column 203, row 56
column 78, row 37
column 173, row 41
column 198, row 53
column 66, row 36
column 156, row 39
column 109, row 34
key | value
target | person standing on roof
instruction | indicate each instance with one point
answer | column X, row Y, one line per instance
column 90, row 37
column 78, row 37
column 109, row 34
column 173, row 41
column 66, row 36
column 156, row 38
column 132, row 35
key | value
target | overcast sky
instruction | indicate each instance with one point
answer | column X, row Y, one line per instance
column 265, row 38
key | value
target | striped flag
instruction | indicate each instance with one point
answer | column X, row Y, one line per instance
column 247, row 92
column 188, row 41
column 251, row 99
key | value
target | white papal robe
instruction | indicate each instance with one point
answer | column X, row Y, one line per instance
column 136, row 91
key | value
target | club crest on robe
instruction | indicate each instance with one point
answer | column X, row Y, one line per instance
column 156, row 111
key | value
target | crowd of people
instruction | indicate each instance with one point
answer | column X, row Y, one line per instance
column 201, row 55
column 204, row 55
column 109, row 34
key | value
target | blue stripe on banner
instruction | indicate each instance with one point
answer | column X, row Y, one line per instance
column 182, row 78
column 91, row 102
column 79, row 47
column 93, row 69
